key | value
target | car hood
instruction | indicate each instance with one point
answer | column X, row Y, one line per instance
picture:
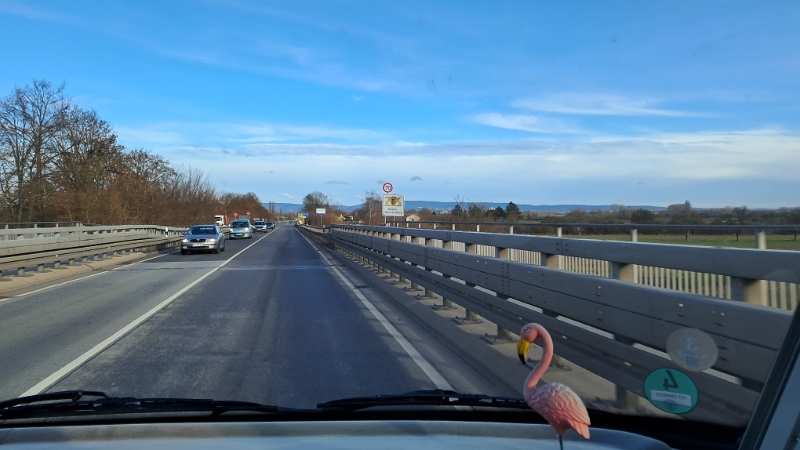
column 200, row 236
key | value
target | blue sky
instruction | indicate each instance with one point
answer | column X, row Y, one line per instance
column 553, row 102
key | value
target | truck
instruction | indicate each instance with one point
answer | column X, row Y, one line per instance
column 223, row 223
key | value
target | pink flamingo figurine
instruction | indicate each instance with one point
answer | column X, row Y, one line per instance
column 558, row 404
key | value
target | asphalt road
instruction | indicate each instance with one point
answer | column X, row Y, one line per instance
column 269, row 320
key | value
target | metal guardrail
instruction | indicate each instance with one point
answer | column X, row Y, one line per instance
column 35, row 247
column 792, row 229
column 613, row 327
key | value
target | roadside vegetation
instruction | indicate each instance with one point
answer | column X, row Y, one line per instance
column 62, row 163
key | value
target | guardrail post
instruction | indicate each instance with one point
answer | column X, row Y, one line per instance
column 626, row 399
column 503, row 335
column 550, row 260
column 470, row 319
column 748, row 289
column 625, row 272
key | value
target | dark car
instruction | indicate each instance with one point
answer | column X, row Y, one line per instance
column 271, row 225
column 207, row 238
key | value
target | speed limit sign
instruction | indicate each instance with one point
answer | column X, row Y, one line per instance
column 387, row 187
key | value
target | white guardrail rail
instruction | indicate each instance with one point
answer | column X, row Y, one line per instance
column 22, row 248
column 604, row 320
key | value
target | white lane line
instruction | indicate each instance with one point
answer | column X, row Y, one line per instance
column 415, row 356
column 77, row 362
column 83, row 278
column 100, row 273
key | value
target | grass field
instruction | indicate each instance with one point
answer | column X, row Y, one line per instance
column 774, row 242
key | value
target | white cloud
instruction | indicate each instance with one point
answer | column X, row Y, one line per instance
column 528, row 123
column 600, row 105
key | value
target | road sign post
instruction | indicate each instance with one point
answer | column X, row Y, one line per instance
column 320, row 212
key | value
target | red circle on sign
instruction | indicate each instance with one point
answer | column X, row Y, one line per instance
column 387, row 187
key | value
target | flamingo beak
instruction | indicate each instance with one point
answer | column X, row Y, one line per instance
column 522, row 349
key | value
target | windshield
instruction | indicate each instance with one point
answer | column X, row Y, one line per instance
column 432, row 176
column 202, row 230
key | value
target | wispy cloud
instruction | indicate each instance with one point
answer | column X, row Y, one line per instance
column 28, row 12
column 336, row 182
column 523, row 122
column 416, row 179
column 241, row 138
column 600, row 105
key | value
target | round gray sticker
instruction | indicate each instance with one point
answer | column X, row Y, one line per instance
column 692, row 349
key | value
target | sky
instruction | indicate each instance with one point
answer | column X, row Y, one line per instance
column 535, row 102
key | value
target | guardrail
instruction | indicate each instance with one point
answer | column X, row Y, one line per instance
column 628, row 227
column 35, row 247
column 609, row 325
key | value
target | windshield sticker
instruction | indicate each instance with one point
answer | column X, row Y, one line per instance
column 692, row 349
column 671, row 391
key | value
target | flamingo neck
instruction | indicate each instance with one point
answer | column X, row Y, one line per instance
column 543, row 364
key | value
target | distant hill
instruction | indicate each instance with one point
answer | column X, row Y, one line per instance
column 447, row 206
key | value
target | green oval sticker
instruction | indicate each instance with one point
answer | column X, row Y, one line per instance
column 671, row 391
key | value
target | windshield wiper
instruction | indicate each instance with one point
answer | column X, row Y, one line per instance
column 70, row 403
column 432, row 397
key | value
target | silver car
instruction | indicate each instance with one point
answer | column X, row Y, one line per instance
column 208, row 238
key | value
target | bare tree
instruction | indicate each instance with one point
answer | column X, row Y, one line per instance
column 87, row 161
column 30, row 119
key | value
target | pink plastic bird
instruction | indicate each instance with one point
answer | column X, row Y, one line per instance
column 558, row 404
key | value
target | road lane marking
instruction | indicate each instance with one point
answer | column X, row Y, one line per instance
column 84, row 278
column 415, row 356
column 100, row 273
column 77, row 362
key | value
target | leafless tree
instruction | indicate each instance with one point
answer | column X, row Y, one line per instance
column 30, row 119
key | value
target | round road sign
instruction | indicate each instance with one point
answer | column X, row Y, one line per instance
column 387, row 187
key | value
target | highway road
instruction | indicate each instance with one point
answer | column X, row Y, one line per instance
column 276, row 319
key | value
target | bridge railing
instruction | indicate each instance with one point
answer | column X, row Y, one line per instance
column 606, row 321
column 21, row 248
column 778, row 294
